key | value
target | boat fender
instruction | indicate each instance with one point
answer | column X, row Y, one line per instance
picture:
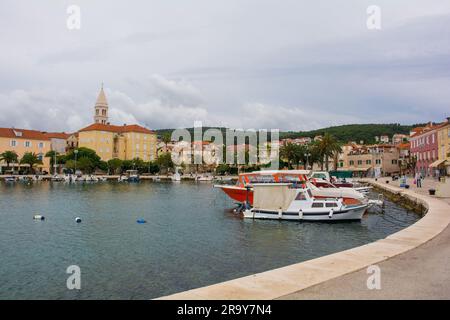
column 78, row 220
column 141, row 221
column 280, row 213
column 38, row 217
column 331, row 213
column 300, row 214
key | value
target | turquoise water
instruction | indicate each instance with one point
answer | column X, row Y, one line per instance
column 191, row 239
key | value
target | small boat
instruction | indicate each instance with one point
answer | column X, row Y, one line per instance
column 133, row 176
column 176, row 176
column 204, row 178
column 57, row 178
column 283, row 201
column 90, row 178
column 130, row 176
column 10, row 179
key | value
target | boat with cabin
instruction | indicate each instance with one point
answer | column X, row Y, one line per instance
column 286, row 201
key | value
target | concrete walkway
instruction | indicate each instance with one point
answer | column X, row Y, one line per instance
column 421, row 273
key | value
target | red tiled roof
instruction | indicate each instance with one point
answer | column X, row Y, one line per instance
column 118, row 129
column 57, row 135
column 22, row 134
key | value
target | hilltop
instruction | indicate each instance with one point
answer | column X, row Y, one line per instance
column 344, row 133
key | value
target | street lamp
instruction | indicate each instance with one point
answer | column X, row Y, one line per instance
column 307, row 155
column 76, row 153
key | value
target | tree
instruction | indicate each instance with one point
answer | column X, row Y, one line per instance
column 31, row 159
column 114, row 165
column 165, row 161
column 293, row 154
column 9, row 157
column 52, row 155
column 85, row 164
column 328, row 147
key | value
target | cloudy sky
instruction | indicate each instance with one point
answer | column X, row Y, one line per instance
column 287, row 64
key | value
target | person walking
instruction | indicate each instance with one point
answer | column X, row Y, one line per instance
column 419, row 180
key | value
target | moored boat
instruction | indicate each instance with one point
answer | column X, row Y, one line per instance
column 286, row 202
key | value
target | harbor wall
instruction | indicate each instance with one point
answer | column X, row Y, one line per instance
column 287, row 280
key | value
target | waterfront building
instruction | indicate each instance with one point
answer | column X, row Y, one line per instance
column 443, row 162
column 72, row 141
column 125, row 142
column 424, row 148
column 58, row 141
column 23, row 141
column 370, row 160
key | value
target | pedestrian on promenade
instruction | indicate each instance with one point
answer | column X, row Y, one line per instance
column 419, row 180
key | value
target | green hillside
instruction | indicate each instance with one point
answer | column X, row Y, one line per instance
column 344, row 133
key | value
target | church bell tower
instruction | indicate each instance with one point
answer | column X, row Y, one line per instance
column 101, row 108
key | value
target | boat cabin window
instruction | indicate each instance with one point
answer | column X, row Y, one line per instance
column 301, row 196
column 317, row 205
column 331, row 205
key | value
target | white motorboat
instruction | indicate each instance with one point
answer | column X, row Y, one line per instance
column 204, row 178
column 176, row 176
column 57, row 178
column 90, row 178
column 283, row 201
column 10, row 179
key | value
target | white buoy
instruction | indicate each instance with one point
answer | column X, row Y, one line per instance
column 77, row 219
column 38, row 217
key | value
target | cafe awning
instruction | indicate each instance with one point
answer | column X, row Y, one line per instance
column 437, row 163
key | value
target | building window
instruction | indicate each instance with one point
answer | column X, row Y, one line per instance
column 378, row 161
column 13, row 143
column 359, row 162
column 41, row 145
column 27, row 144
column 368, row 161
column 351, row 162
column 394, row 161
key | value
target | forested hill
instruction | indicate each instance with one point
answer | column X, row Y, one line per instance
column 354, row 132
column 344, row 133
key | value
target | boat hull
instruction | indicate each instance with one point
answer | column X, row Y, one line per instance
column 348, row 214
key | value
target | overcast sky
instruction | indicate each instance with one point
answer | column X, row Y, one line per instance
column 287, row 64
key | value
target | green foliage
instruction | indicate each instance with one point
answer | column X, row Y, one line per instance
column 9, row 157
column 114, row 165
column 31, row 159
column 164, row 161
column 353, row 132
column 86, row 164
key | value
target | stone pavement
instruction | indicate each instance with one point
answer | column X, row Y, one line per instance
column 421, row 273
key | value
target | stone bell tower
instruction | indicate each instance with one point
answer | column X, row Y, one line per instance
column 101, row 108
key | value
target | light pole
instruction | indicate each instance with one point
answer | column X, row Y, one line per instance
column 307, row 155
column 76, row 153
column 54, row 164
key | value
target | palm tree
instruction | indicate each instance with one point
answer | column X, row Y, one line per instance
column 328, row 147
column 52, row 155
column 31, row 159
column 291, row 153
column 9, row 157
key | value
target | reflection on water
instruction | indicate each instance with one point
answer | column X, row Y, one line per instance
column 191, row 239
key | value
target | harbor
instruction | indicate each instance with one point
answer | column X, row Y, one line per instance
column 190, row 223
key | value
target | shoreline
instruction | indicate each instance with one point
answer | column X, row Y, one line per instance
column 281, row 283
